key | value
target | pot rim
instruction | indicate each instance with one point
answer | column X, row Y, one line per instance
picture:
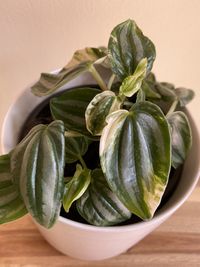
column 166, row 211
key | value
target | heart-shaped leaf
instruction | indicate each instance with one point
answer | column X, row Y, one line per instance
column 80, row 63
column 75, row 147
column 181, row 136
column 70, row 107
column 99, row 205
column 39, row 163
column 127, row 46
column 11, row 205
column 75, row 188
column 98, row 109
column 132, row 84
column 135, row 153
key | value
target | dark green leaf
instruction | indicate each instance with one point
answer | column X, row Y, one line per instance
column 151, row 77
column 98, row 109
column 18, row 153
column 168, row 85
column 70, row 107
column 127, row 46
column 181, row 136
column 184, row 96
column 79, row 64
column 148, row 89
column 75, row 188
column 48, row 82
column 38, row 161
column 11, row 205
column 158, row 90
column 75, row 146
column 135, row 153
column 167, row 94
column 132, row 84
column 99, row 205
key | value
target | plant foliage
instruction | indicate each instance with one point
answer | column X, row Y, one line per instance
column 138, row 122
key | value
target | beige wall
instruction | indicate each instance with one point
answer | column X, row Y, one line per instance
column 41, row 35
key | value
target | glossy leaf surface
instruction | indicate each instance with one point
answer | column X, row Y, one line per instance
column 99, row 205
column 75, row 188
column 38, row 161
column 70, row 107
column 132, row 84
column 98, row 109
column 75, row 146
column 11, row 205
column 80, row 63
column 135, row 153
column 181, row 137
column 127, row 46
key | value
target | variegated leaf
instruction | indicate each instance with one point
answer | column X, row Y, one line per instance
column 76, row 187
column 88, row 54
column 80, row 63
column 75, row 147
column 181, row 136
column 132, row 84
column 11, row 205
column 70, row 107
column 135, row 153
column 99, row 205
column 98, row 109
column 127, row 46
column 38, row 161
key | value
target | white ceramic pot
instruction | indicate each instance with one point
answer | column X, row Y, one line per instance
column 90, row 242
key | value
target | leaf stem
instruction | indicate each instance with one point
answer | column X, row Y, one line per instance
column 111, row 80
column 82, row 162
column 172, row 108
column 97, row 77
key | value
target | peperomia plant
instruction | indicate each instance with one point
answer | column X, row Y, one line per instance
column 138, row 123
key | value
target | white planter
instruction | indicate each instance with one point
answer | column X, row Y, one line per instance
column 90, row 242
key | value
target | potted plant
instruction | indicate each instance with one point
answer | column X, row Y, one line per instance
column 107, row 150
